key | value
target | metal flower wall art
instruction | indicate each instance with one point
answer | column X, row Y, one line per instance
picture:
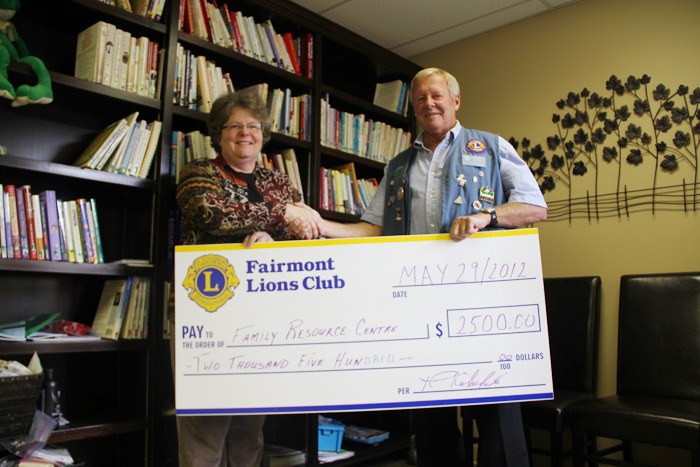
column 600, row 137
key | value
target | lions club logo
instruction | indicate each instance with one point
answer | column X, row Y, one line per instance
column 210, row 282
column 476, row 146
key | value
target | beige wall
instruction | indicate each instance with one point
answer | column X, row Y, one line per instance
column 511, row 79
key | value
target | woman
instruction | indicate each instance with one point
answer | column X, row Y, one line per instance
column 230, row 199
column 225, row 200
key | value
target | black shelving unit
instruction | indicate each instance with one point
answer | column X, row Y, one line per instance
column 118, row 396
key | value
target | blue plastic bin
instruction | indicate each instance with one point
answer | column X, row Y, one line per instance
column 330, row 434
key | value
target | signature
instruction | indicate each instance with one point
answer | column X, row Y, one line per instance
column 460, row 380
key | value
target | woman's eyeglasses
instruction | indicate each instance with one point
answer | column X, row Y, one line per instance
column 236, row 127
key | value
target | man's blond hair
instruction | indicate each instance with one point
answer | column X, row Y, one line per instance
column 426, row 73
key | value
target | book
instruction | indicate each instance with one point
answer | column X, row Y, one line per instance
column 30, row 328
column 116, row 59
column 36, row 323
column 141, row 71
column 129, row 325
column 204, row 13
column 7, row 225
column 95, row 225
column 13, row 331
column 89, row 248
column 110, row 309
column 73, row 224
column 91, row 230
column 325, row 457
column 204, row 94
column 290, row 159
column 64, row 224
column 24, row 196
column 39, row 228
column 118, row 153
column 242, row 46
column 275, row 455
column 90, row 52
column 131, row 157
column 127, row 148
column 291, row 51
column 388, row 95
column 226, row 18
column 284, row 55
column 49, row 205
column 145, row 306
column 267, row 37
column 103, row 144
column 131, row 67
column 147, row 159
column 22, row 221
column 307, row 55
column 124, row 58
column 12, row 221
column 152, row 69
column 3, row 231
column 363, row 435
column 106, row 73
column 141, row 318
column 351, row 187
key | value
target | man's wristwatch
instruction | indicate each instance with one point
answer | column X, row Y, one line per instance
column 494, row 217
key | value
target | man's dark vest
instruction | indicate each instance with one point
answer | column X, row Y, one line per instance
column 471, row 181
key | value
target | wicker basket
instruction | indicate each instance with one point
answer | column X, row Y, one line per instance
column 18, row 401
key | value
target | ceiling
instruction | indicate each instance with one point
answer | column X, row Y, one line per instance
column 410, row 27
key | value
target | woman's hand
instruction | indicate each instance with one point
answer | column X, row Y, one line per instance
column 302, row 221
column 256, row 237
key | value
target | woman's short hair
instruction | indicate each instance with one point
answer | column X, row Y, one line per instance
column 223, row 106
column 425, row 73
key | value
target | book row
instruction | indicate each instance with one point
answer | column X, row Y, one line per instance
column 341, row 191
column 127, row 147
column 284, row 161
column 186, row 147
column 233, row 30
column 107, row 55
column 152, row 9
column 358, row 135
column 392, row 96
column 122, row 312
column 198, row 81
column 42, row 227
column 291, row 115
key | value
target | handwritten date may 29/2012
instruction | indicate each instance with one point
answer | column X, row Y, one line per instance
column 461, row 273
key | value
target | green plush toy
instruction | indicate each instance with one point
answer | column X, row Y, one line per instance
column 13, row 49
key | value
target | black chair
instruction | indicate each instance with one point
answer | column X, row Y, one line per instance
column 573, row 310
column 658, row 373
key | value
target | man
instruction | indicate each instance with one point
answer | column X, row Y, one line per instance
column 460, row 181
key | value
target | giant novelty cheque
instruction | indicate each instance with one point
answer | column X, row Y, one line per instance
column 360, row 324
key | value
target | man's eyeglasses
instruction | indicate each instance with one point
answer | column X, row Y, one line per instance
column 236, row 127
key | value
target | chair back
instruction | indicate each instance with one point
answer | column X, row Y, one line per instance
column 659, row 336
column 573, row 310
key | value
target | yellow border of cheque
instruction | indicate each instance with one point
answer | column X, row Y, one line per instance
column 350, row 241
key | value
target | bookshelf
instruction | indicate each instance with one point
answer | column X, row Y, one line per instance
column 118, row 395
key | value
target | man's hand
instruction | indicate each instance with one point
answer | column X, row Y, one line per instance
column 510, row 215
column 465, row 226
column 302, row 221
